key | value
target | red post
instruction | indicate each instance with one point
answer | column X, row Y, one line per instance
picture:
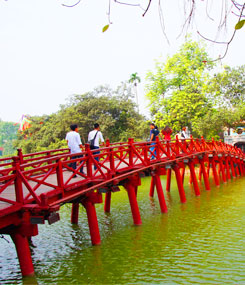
column 228, row 175
column 180, row 184
column 20, row 154
column 183, row 174
column 200, row 173
column 133, row 203
column 59, row 171
column 241, row 167
column 107, row 205
column 24, row 254
column 232, row 168
column 92, row 222
column 237, row 168
column 168, row 184
column 18, row 181
column 222, row 169
column 205, row 175
column 194, row 178
column 74, row 213
column 89, row 160
column 208, row 168
column 136, row 190
column 160, row 194
column 151, row 194
column 215, row 174
column 130, row 153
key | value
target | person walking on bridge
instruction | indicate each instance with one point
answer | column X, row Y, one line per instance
column 94, row 139
column 166, row 132
column 74, row 143
column 154, row 132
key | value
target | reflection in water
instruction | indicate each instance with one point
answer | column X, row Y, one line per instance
column 199, row 242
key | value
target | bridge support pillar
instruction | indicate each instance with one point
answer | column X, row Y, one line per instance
column 107, row 205
column 183, row 174
column 74, row 213
column 129, row 186
column 160, row 194
column 180, row 184
column 92, row 222
column 24, row 254
column 136, row 190
column 208, row 168
column 232, row 168
column 168, row 184
column 215, row 174
column 194, row 178
column 222, row 169
column 228, row 175
column 237, row 168
column 200, row 173
column 88, row 203
column 241, row 167
column 152, row 188
column 205, row 175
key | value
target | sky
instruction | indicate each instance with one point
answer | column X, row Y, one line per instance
column 49, row 52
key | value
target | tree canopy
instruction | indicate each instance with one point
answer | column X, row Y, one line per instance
column 8, row 133
column 176, row 92
column 112, row 109
column 183, row 92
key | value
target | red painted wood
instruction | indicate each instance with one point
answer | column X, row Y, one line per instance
column 107, row 206
column 152, row 187
column 38, row 184
column 24, row 254
column 160, row 194
column 133, row 203
column 75, row 213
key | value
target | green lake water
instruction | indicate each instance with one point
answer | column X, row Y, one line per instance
column 199, row 242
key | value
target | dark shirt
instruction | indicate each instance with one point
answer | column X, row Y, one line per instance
column 155, row 133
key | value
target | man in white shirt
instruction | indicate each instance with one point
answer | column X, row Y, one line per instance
column 184, row 133
column 74, row 143
column 97, row 136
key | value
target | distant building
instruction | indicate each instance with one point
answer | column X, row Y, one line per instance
column 235, row 137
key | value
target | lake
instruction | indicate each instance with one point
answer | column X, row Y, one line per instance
column 199, row 242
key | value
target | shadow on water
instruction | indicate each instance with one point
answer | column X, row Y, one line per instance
column 201, row 241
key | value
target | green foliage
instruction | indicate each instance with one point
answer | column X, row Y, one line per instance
column 134, row 78
column 183, row 93
column 112, row 109
column 227, row 92
column 227, row 88
column 176, row 91
column 8, row 133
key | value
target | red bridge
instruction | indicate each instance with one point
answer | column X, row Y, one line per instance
column 34, row 186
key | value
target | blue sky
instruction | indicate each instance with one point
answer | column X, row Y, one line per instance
column 49, row 52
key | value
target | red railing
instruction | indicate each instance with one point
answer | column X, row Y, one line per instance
column 34, row 178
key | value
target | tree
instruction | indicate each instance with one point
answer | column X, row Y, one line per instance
column 135, row 79
column 227, row 88
column 8, row 133
column 227, row 92
column 176, row 91
column 112, row 109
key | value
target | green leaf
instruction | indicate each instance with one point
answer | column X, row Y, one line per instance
column 105, row 28
column 240, row 24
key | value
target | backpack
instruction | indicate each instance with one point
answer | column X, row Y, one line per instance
column 91, row 142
